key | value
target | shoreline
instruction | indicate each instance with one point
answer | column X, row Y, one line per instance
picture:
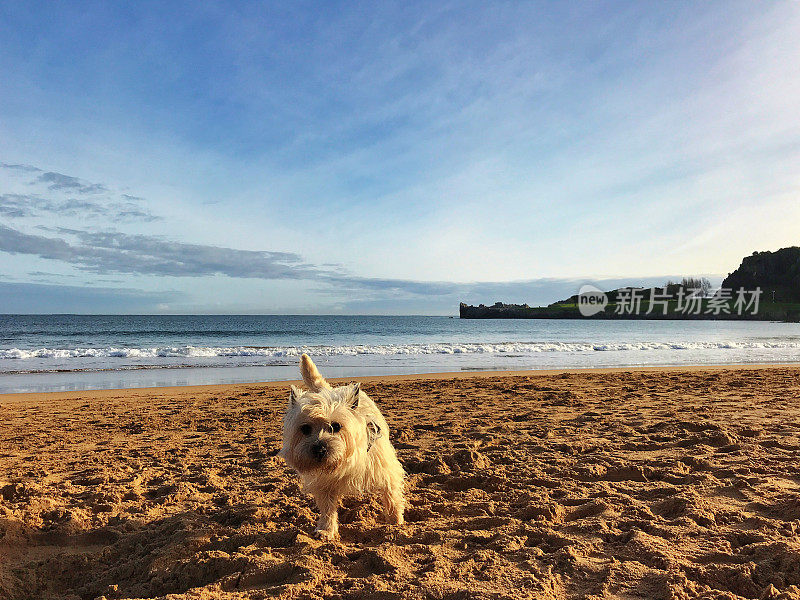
column 454, row 375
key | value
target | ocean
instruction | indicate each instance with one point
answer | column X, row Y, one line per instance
column 77, row 352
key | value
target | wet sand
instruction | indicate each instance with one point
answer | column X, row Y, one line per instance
column 654, row 483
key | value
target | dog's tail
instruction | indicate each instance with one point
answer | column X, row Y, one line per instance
column 311, row 376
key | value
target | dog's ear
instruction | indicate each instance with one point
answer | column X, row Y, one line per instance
column 294, row 394
column 352, row 395
column 311, row 376
column 373, row 433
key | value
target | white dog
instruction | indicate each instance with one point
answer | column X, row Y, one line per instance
column 338, row 442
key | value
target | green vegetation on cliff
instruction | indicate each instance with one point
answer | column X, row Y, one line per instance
column 776, row 274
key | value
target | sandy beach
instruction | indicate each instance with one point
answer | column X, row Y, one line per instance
column 656, row 483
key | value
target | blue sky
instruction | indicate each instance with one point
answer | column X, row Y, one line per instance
column 387, row 157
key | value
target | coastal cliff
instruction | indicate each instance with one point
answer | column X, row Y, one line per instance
column 775, row 274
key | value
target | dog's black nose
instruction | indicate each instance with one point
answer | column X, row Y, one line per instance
column 319, row 450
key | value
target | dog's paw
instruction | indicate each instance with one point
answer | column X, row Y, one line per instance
column 325, row 534
column 393, row 518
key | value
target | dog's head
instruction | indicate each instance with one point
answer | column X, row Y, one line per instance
column 322, row 429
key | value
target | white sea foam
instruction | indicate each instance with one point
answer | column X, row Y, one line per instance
column 384, row 350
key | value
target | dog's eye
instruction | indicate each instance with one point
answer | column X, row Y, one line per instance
column 305, row 429
column 335, row 427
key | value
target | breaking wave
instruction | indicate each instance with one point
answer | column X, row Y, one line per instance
column 385, row 350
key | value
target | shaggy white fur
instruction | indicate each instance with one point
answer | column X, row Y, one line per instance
column 338, row 442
